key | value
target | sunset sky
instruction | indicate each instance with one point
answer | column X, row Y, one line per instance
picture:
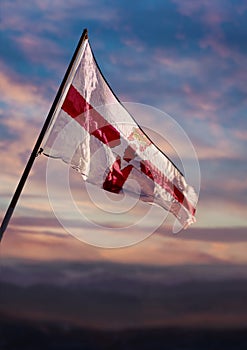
column 185, row 58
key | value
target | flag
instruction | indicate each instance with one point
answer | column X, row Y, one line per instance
column 93, row 132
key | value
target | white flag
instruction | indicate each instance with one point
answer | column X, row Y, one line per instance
column 100, row 139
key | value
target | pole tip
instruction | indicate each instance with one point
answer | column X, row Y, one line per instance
column 85, row 33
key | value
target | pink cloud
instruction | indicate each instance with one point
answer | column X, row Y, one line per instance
column 39, row 242
column 41, row 239
column 203, row 102
column 241, row 134
column 216, row 43
column 212, row 14
column 181, row 65
column 135, row 44
column 17, row 150
column 23, row 17
column 222, row 143
column 40, row 50
column 17, row 92
column 190, row 7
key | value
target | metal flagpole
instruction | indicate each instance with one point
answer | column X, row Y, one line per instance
column 36, row 148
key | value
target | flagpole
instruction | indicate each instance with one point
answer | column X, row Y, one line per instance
column 36, row 148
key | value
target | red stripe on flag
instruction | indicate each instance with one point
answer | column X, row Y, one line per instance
column 116, row 177
column 156, row 175
column 75, row 105
column 78, row 108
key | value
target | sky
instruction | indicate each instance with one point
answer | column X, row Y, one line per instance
column 185, row 58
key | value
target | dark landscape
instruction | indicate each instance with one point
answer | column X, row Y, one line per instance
column 36, row 336
column 56, row 305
